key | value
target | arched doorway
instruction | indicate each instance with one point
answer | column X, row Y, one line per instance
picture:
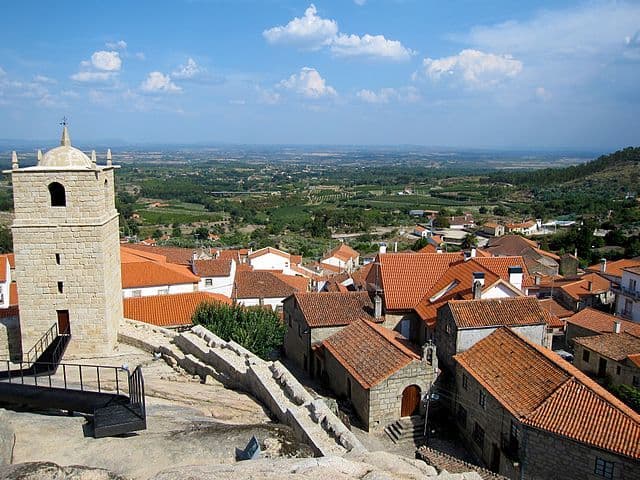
column 410, row 401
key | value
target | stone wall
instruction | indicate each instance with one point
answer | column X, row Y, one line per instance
column 202, row 353
column 573, row 331
column 549, row 456
column 68, row 258
column 10, row 340
column 618, row 372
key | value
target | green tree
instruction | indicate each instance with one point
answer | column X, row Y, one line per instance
column 500, row 211
column 201, row 233
column 257, row 329
column 469, row 241
column 6, row 240
column 419, row 244
column 176, row 232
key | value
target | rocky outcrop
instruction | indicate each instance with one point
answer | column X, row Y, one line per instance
column 51, row 471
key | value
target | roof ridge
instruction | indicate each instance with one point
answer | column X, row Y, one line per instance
column 392, row 341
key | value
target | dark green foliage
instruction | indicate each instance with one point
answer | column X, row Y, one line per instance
column 628, row 394
column 6, row 240
column 419, row 244
column 257, row 329
column 469, row 241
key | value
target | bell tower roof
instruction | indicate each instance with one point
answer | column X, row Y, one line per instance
column 65, row 155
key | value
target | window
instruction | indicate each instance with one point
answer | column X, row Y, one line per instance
column 163, row 291
column 58, row 196
column 57, row 258
column 136, row 293
column 478, row 435
column 208, row 282
column 447, row 328
column 585, row 355
column 603, row 468
column 636, row 381
column 628, row 307
column 514, row 433
column 618, row 370
column 632, row 284
column 462, row 416
column 465, row 381
column 482, row 398
column 60, row 287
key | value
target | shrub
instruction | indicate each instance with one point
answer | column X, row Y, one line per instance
column 257, row 329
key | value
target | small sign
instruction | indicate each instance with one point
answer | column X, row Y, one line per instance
column 251, row 451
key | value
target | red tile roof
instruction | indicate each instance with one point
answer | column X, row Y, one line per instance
column 555, row 308
column 545, row 392
column 332, row 309
column 600, row 322
column 177, row 255
column 152, row 274
column 301, row 284
column 615, row 268
column 406, row 277
column 500, row 266
column 261, row 284
column 342, row 252
column 507, row 312
column 580, row 288
column 218, row 267
column 274, row 251
column 369, row 352
column 616, row 346
column 168, row 310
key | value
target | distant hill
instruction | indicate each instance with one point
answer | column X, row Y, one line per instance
column 621, row 167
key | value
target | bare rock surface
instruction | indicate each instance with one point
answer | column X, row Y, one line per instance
column 51, row 471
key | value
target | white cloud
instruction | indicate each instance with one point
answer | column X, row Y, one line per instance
column 2, row 72
column 310, row 31
column 268, row 96
column 308, row 83
column 387, row 95
column 314, row 32
column 139, row 56
column 188, row 70
column 107, row 61
column 543, row 94
column 159, row 82
column 119, row 45
column 475, row 68
column 375, row 46
column 43, row 79
column 88, row 77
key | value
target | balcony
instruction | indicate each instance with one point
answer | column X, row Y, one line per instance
column 510, row 447
column 628, row 292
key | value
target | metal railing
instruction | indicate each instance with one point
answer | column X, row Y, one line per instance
column 136, row 390
column 72, row 376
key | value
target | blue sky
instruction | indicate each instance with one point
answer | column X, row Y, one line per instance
column 472, row 73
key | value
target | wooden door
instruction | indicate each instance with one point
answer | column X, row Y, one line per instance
column 602, row 367
column 64, row 327
column 410, row 401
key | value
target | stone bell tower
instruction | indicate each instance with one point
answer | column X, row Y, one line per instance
column 67, row 251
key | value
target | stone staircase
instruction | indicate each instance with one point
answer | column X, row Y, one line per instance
column 406, row 430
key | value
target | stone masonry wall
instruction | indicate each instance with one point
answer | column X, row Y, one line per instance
column 85, row 235
column 570, row 460
column 10, row 343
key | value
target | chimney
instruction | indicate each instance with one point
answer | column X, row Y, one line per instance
column 603, row 265
column 383, row 248
column 474, row 252
column 395, row 247
column 515, row 276
column 377, row 305
column 590, row 285
column 477, row 283
column 617, row 326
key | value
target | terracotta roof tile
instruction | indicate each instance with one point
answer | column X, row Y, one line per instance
column 152, row 274
column 261, row 284
column 168, row 310
column 329, row 309
column 342, row 252
column 600, row 322
column 635, row 359
column 555, row 308
column 301, row 284
column 369, row 352
column 274, row 251
column 406, row 277
column 495, row 312
column 580, row 288
column 615, row 268
column 616, row 346
column 547, row 393
column 500, row 266
column 177, row 255
column 218, row 267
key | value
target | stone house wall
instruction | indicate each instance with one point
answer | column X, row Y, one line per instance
column 618, row 372
column 570, row 459
column 85, row 236
column 10, row 340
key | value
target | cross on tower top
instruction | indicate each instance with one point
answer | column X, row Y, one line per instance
column 64, row 122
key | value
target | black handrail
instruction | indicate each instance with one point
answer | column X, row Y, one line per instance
column 83, row 382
